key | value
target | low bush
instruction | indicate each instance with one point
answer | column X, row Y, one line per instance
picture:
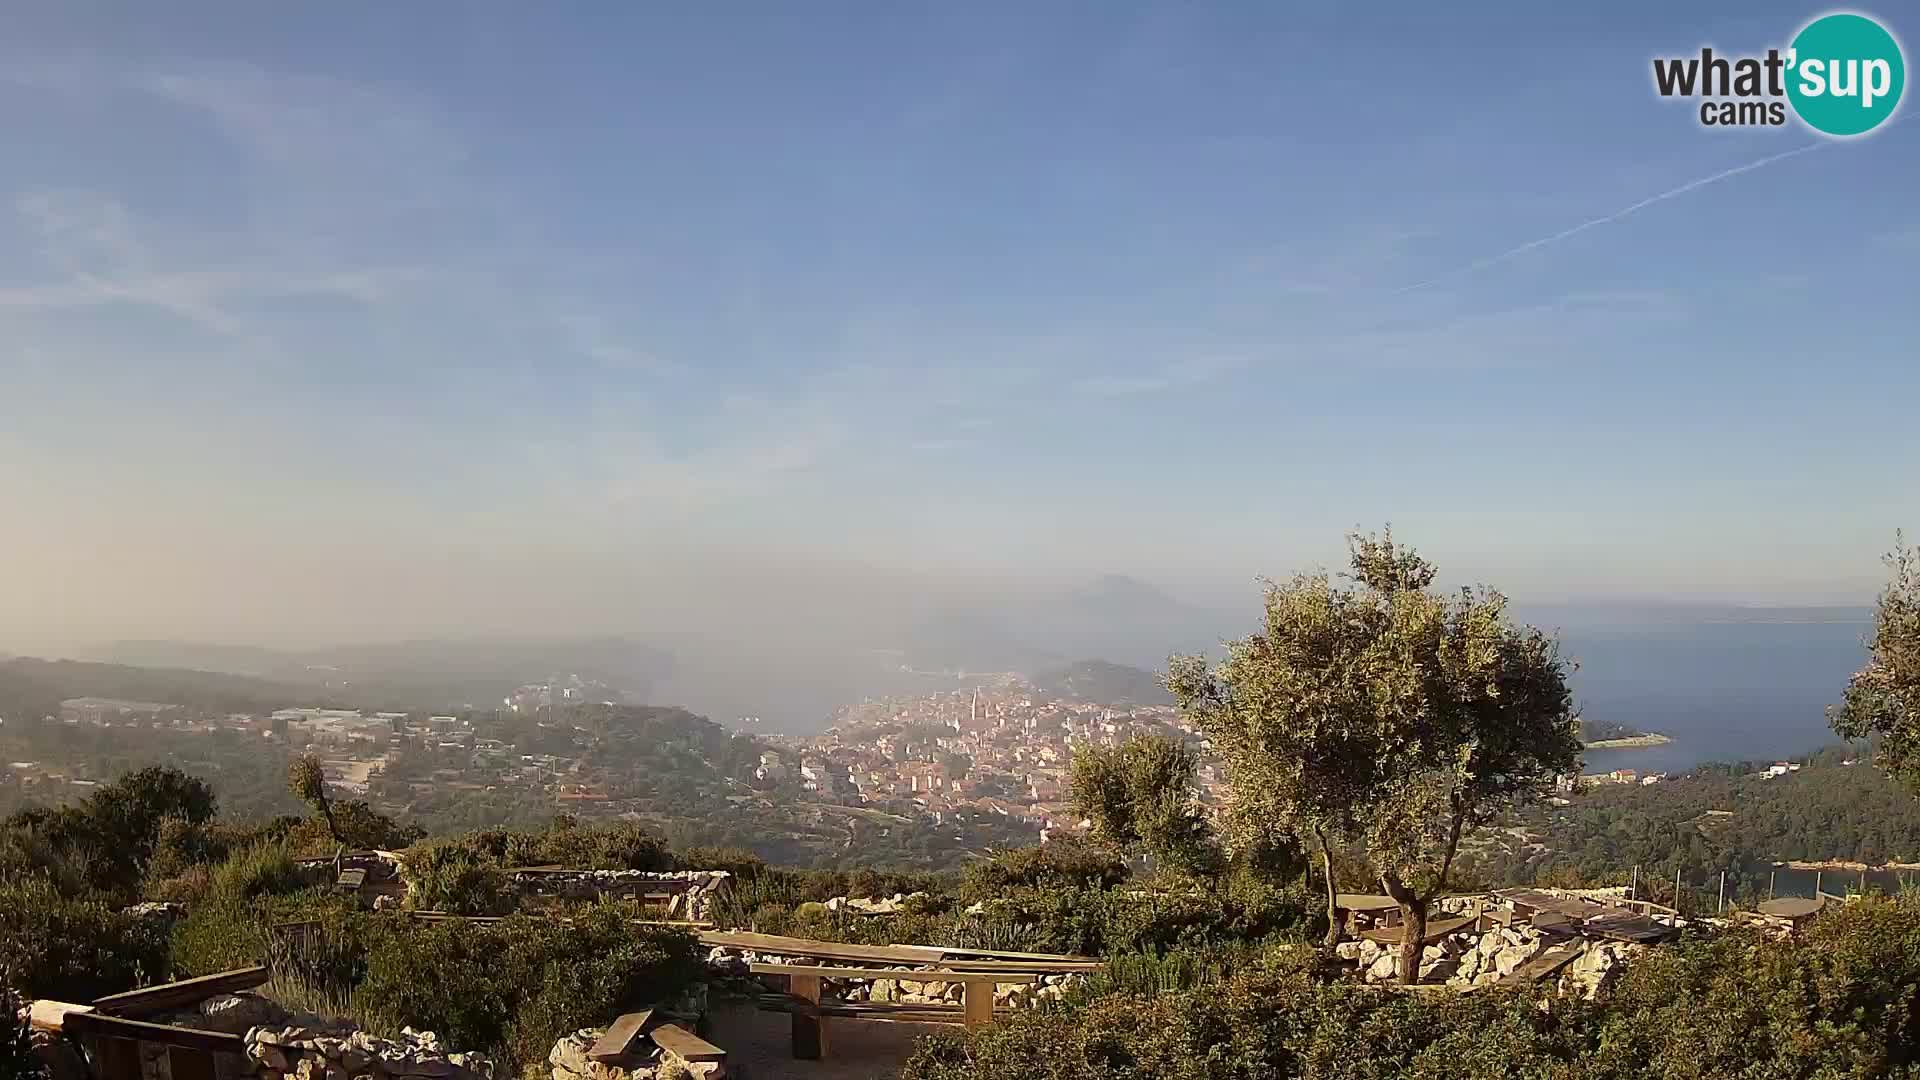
column 1837, row 1002
column 17, row 1059
column 619, row 845
column 223, row 930
column 1058, row 864
column 262, row 869
column 512, row 988
column 73, row 949
column 453, row 877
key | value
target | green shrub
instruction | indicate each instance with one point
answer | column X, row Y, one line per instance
column 1837, row 1002
column 262, row 869
column 17, row 1059
column 452, row 877
column 739, row 862
column 72, row 949
column 1059, row 864
column 619, row 845
column 513, row 988
column 225, row 931
column 218, row 934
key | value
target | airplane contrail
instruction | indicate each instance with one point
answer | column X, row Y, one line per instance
column 1691, row 185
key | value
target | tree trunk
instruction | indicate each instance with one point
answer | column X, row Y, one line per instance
column 1333, row 892
column 1413, row 936
column 1413, row 926
column 326, row 811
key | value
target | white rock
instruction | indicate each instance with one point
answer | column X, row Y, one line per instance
column 1384, row 967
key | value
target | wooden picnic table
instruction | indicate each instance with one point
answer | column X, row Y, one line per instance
column 1436, row 929
column 979, row 973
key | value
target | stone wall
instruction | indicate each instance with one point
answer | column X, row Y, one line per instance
column 1470, row 958
column 336, row 1053
column 915, row 985
column 871, row 905
column 693, row 889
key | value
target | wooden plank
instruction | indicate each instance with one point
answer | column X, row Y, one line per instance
column 185, row 1064
column 100, row 1026
column 115, row 1058
column 49, row 1015
column 1622, row 926
column 352, row 879
column 809, row 1028
column 822, row 950
column 620, row 1036
column 685, row 1044
column 907, row 1012
column 987, row 977
column 1000, row 954
column 180, row 995
column 1045, row 967
column 1365, row 902
column 978, row 1002
column 488, row 920
column 1546, row 964
column 1436, row 929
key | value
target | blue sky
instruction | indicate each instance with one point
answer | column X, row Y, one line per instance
column 371, row 309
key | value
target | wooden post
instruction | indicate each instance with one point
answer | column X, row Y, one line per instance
column 1770, row 876
column 1723, row 894
column 809, row 1027
column 116, row 1058
column 979, row 1003
column 1676, row 888
column 1636, row 882
column 1817, row 874
column 186, row 1064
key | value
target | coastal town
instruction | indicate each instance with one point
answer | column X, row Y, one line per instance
column 1000, row 750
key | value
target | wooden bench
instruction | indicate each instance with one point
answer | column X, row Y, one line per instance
column 111, row 1033
column 809, row 1010
column 619, row 1038
column 1545, row 965
column 1436, row 929
column 179, row 995
column 616, row 1048
column 978, row 971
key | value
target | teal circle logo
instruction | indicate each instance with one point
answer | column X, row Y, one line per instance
column 1845, row 74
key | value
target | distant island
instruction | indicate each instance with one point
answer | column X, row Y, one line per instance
column 1611, row 735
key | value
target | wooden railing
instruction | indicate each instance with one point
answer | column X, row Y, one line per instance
column 110, row 1030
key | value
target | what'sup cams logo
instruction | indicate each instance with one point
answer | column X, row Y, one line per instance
column 1842, row 76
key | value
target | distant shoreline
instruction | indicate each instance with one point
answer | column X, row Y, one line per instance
column 1838, row 864
column 1632, row 742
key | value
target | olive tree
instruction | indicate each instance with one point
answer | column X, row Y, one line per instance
column 1379, row 711
column 1141, row 796
column 1883, row 697
column 308, row 782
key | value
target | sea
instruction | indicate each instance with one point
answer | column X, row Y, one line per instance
column 1720, row 690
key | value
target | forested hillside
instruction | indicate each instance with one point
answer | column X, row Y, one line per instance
column 1731, row 818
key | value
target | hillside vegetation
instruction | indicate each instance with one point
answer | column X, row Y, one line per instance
column 1107, row 683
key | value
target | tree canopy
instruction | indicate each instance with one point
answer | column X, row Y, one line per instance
column 1140, row 796
column 1883, row 697
column 1379, row 711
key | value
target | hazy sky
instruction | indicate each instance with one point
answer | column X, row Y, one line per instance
column 382, row 318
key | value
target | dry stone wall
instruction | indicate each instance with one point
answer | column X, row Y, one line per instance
column 915, row 985
column 692, row 898
column 872, row 905
column 315, row 1053
column 1471, row 958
